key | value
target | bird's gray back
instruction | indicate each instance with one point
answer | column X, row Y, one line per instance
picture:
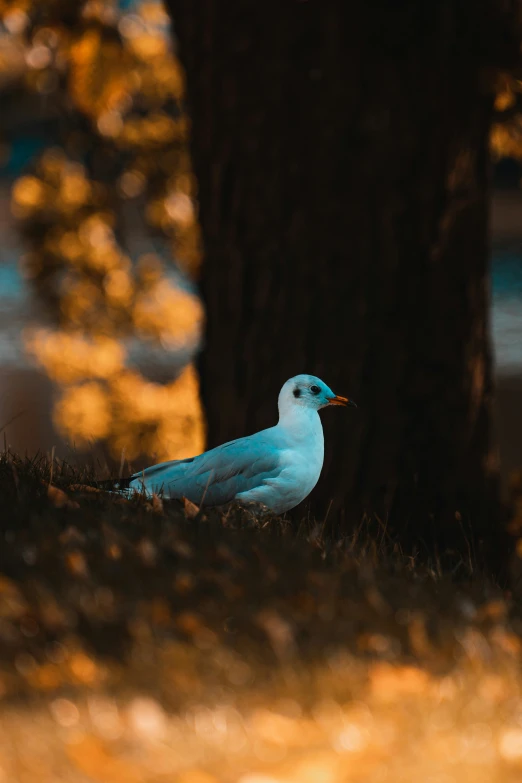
column 216, row 476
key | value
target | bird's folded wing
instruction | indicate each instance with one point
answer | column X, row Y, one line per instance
column 216, row 476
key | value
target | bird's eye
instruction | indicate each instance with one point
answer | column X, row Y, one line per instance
column 315, row 389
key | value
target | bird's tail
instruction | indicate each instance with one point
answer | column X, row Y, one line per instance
column 115, row 485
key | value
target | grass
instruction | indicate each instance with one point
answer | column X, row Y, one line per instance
column 144, row 641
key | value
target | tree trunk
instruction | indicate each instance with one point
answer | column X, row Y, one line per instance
column 341, row 151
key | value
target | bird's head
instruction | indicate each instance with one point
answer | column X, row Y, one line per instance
column 309, row 391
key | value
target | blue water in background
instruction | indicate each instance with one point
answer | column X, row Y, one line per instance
column 22, row 151
column 506, row 273
column 506, row 310
column 12, row 286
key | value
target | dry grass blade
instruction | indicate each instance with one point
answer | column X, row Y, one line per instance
column 191, row 509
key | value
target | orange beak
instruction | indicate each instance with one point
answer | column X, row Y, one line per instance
column 344, row 401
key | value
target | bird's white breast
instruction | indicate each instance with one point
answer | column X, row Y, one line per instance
column 301, row 461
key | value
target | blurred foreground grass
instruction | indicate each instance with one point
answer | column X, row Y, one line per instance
column 144, row 643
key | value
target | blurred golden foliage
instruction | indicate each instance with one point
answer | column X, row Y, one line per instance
column 111, row 77
column 506, row 134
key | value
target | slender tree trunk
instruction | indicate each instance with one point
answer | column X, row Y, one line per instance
column 341, row 151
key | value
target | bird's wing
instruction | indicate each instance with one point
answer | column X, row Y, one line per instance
column 216, row 476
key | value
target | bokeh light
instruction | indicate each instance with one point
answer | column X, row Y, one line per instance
column 114, row 79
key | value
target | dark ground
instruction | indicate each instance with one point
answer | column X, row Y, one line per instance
column 146, row 642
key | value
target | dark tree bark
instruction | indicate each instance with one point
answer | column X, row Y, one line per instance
column 341, row 151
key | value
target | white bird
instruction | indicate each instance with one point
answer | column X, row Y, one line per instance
column 277, row 467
